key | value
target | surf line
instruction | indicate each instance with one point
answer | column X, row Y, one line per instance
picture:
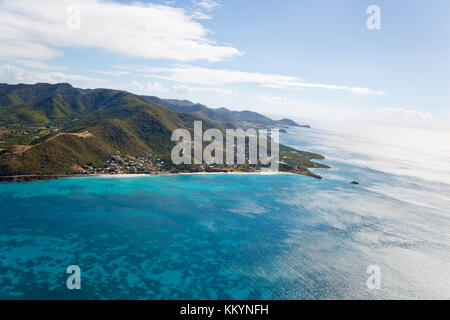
column 193, row 310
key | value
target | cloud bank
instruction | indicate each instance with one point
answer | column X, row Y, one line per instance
column 13, row 75
column 41, row 30
column 210, row 76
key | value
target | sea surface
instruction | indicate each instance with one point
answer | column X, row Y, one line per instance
column 239, row 236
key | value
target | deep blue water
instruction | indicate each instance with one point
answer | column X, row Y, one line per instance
column 228, row 236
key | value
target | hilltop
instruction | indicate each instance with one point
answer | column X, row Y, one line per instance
column 230, row 119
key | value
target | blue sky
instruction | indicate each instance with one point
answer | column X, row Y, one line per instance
column 291, row 57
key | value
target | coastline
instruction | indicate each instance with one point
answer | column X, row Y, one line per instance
column 129, row 175
column 31, row 178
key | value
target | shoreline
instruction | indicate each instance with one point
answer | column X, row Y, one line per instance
column 31, row 178
column 130, row 175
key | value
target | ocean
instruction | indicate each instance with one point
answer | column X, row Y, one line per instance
column 240, row 236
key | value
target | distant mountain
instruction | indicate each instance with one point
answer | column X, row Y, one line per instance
column 230, row 119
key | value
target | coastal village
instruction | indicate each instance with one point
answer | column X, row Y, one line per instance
column 129, row 164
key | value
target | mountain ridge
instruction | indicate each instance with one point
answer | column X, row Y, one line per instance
column 223, row 115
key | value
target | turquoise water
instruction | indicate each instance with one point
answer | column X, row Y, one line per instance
column 228, row 236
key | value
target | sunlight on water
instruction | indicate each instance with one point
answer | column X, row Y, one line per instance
column 238, row 236
column 419, row 153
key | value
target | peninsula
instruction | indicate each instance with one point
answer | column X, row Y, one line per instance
column 55, row 130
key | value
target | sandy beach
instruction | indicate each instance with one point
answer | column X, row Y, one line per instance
column 128, row 175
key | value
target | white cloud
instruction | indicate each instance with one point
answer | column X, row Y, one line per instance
column 276, row 105
column 353, row 90
column 112, row 73
column 284, row 102
column 13, row 75
column 39, row 30
column 28, row 63
column 150, row 88
column 407, row 114
column 156, row 88
column 208, row 76
column 198, row 15
column 200, row 9
column 206, row 4
column 184, row 89
column 27, row 54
